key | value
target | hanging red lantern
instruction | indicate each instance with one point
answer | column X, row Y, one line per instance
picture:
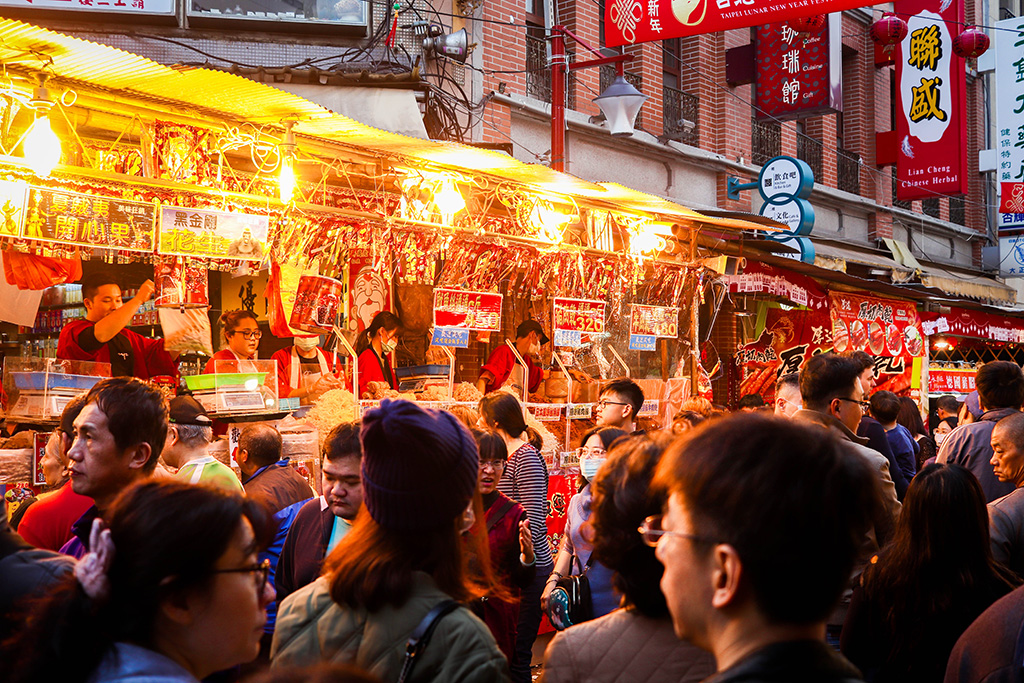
column 807, row 24
column 888, row 31
column 971, row 44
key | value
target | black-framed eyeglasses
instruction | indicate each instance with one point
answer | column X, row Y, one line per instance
column 493, row 464
column 864, row 405
column 602, row 403
column 260, row 570
column 651, row 532
column 253, row 334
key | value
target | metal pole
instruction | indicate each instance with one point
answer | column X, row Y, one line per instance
column 557, row 99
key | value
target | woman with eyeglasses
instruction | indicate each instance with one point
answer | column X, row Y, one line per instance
column 513, row 561
column 170, row 591
column 624, row 509
column 242, row 334
column 576, row 554
column 376, row 348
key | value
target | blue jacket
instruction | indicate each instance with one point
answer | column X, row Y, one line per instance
column 127, row 663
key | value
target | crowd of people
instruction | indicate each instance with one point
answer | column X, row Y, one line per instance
column 828, row 536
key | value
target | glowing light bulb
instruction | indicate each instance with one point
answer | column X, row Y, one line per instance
column 41, row 146
column 286, row 178
column 449, row 201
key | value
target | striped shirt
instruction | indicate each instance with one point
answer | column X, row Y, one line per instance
column 526, row 482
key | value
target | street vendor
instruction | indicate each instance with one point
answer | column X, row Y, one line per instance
column 303, row 369
column 376, row 345
column 503, row 368
column 242, row 333
column 102, row 336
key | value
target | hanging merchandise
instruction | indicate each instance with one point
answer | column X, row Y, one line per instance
column 369, row 289
column 181, row 283
column 186, row 330
column 317, row 304
column 30, row 271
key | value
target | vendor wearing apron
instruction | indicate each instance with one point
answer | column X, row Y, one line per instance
column 301, row 366
column 242, row 334
column 101, row 336
column 376, row 345
column 503, row 369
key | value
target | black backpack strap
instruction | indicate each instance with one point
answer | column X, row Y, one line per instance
column 502, row 511
column 421, row 636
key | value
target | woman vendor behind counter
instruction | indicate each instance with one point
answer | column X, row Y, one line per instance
column 242, row 334
column 101, row 336
column 375, row 347
column 304, row 370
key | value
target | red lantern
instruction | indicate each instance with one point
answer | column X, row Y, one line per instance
column 971, row 44
column 888, row 31
column 807, row 24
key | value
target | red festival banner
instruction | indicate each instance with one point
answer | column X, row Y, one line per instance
column 799, row 74
column 931, row 117
column 881, row 327
column 641, row 21
column 789, row 340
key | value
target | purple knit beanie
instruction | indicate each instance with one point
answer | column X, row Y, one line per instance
column 420, row 467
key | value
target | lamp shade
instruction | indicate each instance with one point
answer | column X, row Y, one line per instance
column 620, row 103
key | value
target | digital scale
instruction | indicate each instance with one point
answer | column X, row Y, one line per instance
column 43, row 404
column 227, row 400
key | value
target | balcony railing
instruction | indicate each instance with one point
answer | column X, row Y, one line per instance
column 765, row 141
column 681, row 115
column 848, row 171
column 957, row 210
column 538, row 73
column 900, row 204
column 809, row 150
column 930, row 207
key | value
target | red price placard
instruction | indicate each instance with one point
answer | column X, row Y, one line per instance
column 655, row 321
column 579, row 315
column 467, row 310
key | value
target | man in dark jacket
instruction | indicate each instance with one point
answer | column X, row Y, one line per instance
column 322, row 522
column 991, row 650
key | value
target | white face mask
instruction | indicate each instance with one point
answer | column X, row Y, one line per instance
column 389, row 346
column 940, row 437
column 306, row 343
column 535, row 349
column 590, row 466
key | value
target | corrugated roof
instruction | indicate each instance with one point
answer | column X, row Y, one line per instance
column 212, row 93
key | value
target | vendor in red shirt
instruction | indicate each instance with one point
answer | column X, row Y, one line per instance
column 303, row 369
column 375, row 347
column 498, row 371
column 101, row 336
column 242, row 333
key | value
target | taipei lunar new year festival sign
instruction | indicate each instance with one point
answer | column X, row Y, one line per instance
column 640, row 21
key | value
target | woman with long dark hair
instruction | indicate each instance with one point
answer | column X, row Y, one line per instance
column 575, row 556
column 170, row 590
column 375, row 347
column 928, row 584
column 525, row 481
column 402, row 558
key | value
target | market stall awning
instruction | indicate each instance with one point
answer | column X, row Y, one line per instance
column 835, row 258
column 972, row 287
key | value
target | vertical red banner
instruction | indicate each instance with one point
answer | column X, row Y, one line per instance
column 799, row 74
column 931, row 117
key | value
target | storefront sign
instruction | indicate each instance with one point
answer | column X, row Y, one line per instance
column 882, row 327
column 789, row 340
column 467, row 310
column 1011, row 256
column 1011, row 222
column 931, row 120
column 105, row 222
column 1009, row 96
column 635, row 21
column 962, row 322
column 125, row 8
column 799, row 74
column 759, row 278
column 578, row 315
column 213, row 234
column 785, row 184
column 450, row 336
column 950, row 381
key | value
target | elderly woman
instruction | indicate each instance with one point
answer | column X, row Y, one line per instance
column 635, row 642
column 170, row 591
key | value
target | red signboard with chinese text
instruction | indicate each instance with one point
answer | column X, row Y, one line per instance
column 579, row 315
column 962, row 322
column 467, row 310
column 799, row 74
column 931, row 121
column 656, row 321
column 881, row 327
column 641, row 21
column 950, row 381
column 764, row 279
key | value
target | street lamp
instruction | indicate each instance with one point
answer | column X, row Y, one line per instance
column 620, row 102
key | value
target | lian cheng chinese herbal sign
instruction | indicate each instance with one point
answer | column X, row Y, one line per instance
column 882, row 327
column 799, row 74
column 648, row 323
column 87, row 220
column 479, row 311
column 122, row 7
column 930, row 93
column 575, row 317
column 213, row 234
column 1009, row 77
column 640, row 21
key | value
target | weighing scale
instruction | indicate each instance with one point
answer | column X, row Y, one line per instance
column 43, row 404
column 229, row 393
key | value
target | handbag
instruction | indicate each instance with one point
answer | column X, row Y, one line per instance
column 569, row 602
column 421, row 636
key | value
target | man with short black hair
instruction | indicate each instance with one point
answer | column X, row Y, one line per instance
column 885, row 407
column 118, row 438
column 947, row 406
column 322, row 522
column 189, row 434
column 750, row 403
column 1000, row 392
column 619, row 403
column 729, row 589
column 787, row 395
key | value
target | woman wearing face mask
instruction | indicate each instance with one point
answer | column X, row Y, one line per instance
column 376, row 345
column 304, row 370
column 577, row 541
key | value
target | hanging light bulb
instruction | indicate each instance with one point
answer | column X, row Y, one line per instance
column 286, row 176
column 448, row 200
column 41, row 146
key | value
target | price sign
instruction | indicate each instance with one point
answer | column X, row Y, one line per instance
column 579, row 315
column 546, row 412
column 74, row 218
column 568, row 338
column 657, row 321
column 642, row 342
column 581, row 411
column 39, row 441
column 467, row 310
column 450, row 336
column 649, row 408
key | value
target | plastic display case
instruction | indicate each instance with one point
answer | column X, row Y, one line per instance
column 237, row 387
column 40, row 388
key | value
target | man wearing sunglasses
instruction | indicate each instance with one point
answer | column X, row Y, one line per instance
column 751, row 575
